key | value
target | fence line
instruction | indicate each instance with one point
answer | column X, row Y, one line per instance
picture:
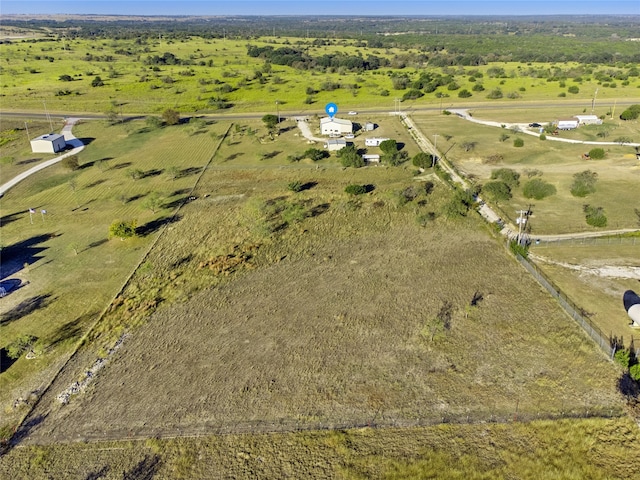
column 589, row 241
column 571, row 308
column 290, row 425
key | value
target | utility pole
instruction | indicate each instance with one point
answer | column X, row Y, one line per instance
column 435, row 147
column 521, row 221
column 278, row 111
column 46, row 112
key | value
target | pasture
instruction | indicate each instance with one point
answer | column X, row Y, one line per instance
column 554, row 162
column 205, row 75
column 276, row 309
column 593, row 448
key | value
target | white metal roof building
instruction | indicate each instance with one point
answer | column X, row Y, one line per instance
column 588, row 120
column 374, row 141
column 333, row 126
column 335, row 144
column 48, row 143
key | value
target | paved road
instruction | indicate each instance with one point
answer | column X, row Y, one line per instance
column 77, row 146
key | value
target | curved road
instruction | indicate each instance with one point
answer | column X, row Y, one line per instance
column 71, row 140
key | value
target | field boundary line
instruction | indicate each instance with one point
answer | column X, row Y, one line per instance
column 569, row 306
column 12, row 441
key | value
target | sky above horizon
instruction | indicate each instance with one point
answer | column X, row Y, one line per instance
column 326, row 7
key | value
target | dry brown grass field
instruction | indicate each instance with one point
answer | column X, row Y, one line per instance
column 596, row 449
column 354, row 314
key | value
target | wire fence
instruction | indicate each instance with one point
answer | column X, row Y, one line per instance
column 292, row 425
column 603, row 341
column 591, row 241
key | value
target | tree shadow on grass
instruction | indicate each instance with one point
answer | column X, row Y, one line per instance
column 69, row 330
column 172, row 205
column 5, row 360
column 186, row 172
column 26, row 428
column 16, row 256
column 146, row 469
column 26, row 307
column 181, row 191
column 98, row 474
column 308, row 186
column 28, row 161
column 12, row 217
column 629, row 387
column 154, row 172
column 120, row 166
column 95, row 184
column 319, row 209
column 155, row 225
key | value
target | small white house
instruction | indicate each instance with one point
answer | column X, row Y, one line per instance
column 335, row 126
column 567, row 124
column 335, row 144
column 48, row 143
column 374, row 141
column 371, row 158
column 588, row 120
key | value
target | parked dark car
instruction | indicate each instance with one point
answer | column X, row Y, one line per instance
column 535, row 125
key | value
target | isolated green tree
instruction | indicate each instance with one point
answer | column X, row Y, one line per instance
column 20, row 345
column 354, row 189
column 595, row 216
column 584, row 183
column 518, row 142
column 349, row 157
column 71, row 163
column 507, row 175
column 496, row 191
column 153, row 202
column 270, row 121
column 97, row 82
column 422, row 160
column 171, row 116
column 597, row 153
column 538, row 189
column 122, row 229
column 389, row 147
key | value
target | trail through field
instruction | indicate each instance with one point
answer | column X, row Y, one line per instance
column 605, row 271
column 303, row 125
column 71, row 140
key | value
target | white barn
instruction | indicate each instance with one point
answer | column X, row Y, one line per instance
column 374, row 141
column 588, row 120
column 567, row 124
column 48, row 143
column 335, row 126
column 335, row 144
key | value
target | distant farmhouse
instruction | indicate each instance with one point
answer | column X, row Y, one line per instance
column 48, row 143
column 335, row 126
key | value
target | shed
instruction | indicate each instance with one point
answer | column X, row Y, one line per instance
column 371, row 158
column 335, row 144
column 374, row 141
column 588, row 120
column 48, row 143
column 369, row 127
column 333, row 126
column 567, row 124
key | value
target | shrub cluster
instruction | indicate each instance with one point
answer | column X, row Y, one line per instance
column 538, row 189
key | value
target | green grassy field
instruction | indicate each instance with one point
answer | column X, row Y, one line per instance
column 32, row 74
column 557, row 162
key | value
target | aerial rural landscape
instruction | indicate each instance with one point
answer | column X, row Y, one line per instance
column 319, row 246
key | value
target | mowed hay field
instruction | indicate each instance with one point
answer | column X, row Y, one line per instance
column 569, row 449
column 352, row 315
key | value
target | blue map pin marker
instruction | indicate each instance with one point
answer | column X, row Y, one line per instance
column 331, row 109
